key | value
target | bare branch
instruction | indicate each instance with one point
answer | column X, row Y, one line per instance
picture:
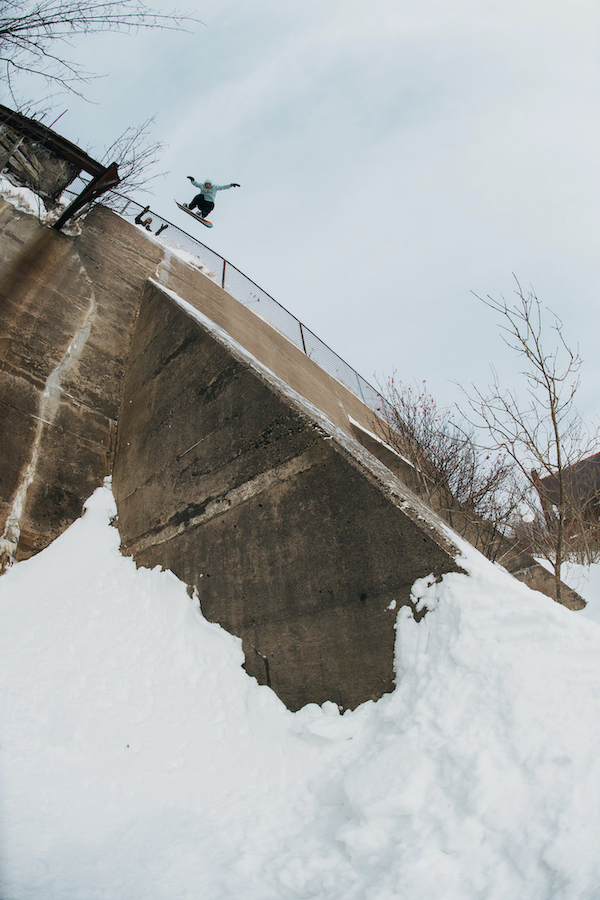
column 473, row 490
column 29, row 31
column 136, row 155
column 544, row 436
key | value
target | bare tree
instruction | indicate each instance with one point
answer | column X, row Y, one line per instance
column 136, row 155
column 472, row 489
column 35, row 33
column 544, row 434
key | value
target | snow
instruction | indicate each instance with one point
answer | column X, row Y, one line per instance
column 586, row 581
column 378, row 440
column 22, row 198
column 190, row 259
column 170, row 249
column 140, row 761
column 27, row 201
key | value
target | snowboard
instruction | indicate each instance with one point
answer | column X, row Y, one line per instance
column 194, row 215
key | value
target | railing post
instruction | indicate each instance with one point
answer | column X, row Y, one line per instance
column 360, row 390
column 223, row 278
column 302, row 337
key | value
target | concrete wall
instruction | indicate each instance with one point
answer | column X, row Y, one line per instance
column 297, row 539
column 67, row 309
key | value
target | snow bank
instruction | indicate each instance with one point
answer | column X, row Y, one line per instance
column 140, row 761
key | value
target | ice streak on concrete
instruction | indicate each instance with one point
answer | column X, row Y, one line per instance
column 49, row 406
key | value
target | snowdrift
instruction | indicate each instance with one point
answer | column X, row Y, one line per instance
column 139, row 760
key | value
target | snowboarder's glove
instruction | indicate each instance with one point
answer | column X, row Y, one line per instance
column 234, row 184
column 190, row 178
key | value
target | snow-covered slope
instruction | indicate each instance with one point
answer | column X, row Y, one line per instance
column 140, row 762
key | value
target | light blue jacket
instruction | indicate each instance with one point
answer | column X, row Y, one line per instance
column 210, row 192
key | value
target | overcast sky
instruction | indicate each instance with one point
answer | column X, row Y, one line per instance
column 394, row 155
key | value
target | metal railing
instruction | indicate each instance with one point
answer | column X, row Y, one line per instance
column 251, row 295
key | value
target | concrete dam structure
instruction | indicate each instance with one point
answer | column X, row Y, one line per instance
column 236, row 461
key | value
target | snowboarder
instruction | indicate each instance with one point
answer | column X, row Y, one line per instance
column 205, row 200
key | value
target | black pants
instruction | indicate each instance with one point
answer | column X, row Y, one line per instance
column 204, row 206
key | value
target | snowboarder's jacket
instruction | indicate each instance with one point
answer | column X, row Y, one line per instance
column 209, row 193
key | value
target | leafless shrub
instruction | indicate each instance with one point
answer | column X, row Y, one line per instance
column 472, row 489
column 136, row 154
